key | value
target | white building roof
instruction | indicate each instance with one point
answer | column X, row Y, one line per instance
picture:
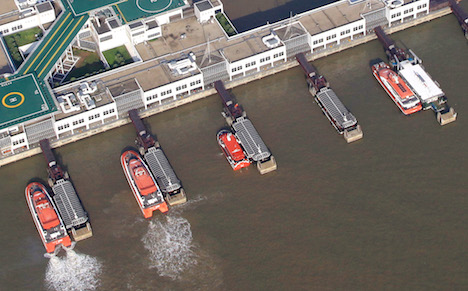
column 421, row 83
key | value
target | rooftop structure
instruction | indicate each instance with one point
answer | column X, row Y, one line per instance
column 338, row 14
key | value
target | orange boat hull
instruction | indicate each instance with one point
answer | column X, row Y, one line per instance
column 405, row 111
column 236, row 165
column 50, row 244
column 147, row 211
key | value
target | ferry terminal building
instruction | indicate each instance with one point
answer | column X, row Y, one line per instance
column 177, row 47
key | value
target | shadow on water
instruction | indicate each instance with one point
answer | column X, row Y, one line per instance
column 275, row 14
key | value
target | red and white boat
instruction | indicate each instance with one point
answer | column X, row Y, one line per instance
column 396, row 87
column 144, row 186
column 232, row 150
column 48, row 222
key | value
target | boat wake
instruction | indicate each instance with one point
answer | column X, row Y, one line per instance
column 171, row 247
column 73, row 271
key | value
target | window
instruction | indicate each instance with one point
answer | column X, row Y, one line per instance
column 318, row 41
column 345, row 32
column 331, row 36
column 151, row 97
column 358, row 27
column 138, row 33
column 17, row 142
column 76, row 122
column 166, row 92
column 153, row 35
column 236, row 69
column 105, row 38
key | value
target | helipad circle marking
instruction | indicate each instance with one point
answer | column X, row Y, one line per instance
column 12, row 106
column 152, row 11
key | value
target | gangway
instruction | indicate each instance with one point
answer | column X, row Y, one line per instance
column 159, row 165
column 339, row 116
column 461, row 16
column 69, row 205
column 232, row 109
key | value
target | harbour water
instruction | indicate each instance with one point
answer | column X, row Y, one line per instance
column 384, row 213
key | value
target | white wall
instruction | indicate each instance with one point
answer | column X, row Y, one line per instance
column 257, row 61
column 204, row 16
column 338, row 34
column 114, row 38
column 171, row 90
column 85, row 118
column 409, row 10
column 164, row 18
column 27, row 22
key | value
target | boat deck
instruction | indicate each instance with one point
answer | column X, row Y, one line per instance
column 336, row 109
column 162, row 170
column 421, row 83
column 69, row 204
column 250, row 140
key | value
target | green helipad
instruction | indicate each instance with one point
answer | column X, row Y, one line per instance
column 131, row 10
column 22, row 99
column 82, row 6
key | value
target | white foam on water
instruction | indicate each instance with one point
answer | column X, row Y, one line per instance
column 73, row 272
column 190, row 204
column 171, row 247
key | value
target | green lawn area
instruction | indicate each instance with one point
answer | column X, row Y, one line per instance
column 15, row 40
column 117, row 57
column 89, row 64
column 225, row 24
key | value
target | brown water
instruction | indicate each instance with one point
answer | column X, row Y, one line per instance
column 388, row 212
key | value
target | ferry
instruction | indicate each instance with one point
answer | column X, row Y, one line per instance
column 396, row 88
column 232, row 150
column 48, row 222
column 144, row 187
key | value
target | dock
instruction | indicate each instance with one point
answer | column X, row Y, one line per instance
column 250, row 140
column 407, row 64
column 166, row 178
column 461, row 15
column 339, row 116
column 71, row 210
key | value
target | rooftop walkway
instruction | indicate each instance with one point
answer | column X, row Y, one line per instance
column 53, row 45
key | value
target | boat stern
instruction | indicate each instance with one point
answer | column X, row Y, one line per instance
column 240, row 165
column 52, row 245
column 148, row 212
